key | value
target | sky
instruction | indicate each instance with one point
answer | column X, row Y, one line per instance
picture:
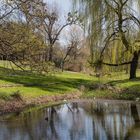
column 63, row 5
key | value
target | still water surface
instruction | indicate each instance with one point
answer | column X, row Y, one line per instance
column 84, row 120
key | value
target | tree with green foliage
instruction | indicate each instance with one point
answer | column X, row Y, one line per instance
column 20, row 45
column 111, row 21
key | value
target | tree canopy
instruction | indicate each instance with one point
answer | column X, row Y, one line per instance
column 113, row 26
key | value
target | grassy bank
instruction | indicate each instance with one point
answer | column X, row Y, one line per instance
column 19, row 89
column 116, row 86
column 30, row 85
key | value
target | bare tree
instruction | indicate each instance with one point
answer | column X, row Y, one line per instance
column 48, row 22
column 74, row 41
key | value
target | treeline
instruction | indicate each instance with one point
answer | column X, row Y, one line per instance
column 106, row 37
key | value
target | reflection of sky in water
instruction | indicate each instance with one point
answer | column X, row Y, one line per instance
column 80, row 122
column 77, row 124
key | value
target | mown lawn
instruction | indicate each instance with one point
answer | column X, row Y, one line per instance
column 129, row 89
column 30, row 85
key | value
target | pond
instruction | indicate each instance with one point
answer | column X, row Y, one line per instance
column 78, row 120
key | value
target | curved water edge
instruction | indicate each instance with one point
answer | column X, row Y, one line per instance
column 77, row 120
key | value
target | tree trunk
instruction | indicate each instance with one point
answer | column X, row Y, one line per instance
column 62, row 65
column 134, row 65
column 50, row 54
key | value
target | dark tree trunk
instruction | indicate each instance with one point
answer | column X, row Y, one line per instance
column 50, row 54
column 62, row 66
column 134, row 65
column 135, row 113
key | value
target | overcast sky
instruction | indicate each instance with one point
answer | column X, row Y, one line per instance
column 63, row 5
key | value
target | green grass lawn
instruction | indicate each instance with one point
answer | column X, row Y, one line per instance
column 120, row 80
column 31, row 85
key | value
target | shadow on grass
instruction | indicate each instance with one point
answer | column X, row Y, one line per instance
column 131, row 93
column 123, row 81
column 47, row 83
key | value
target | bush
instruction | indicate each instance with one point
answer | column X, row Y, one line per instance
column 16, row 95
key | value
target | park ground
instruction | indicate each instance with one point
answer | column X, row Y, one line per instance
column 22, row 89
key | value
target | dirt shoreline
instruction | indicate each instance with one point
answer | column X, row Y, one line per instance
column 17, row 105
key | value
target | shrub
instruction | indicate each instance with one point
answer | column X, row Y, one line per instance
column 16, row 95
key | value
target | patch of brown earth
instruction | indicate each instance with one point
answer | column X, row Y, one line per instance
column 15, row 105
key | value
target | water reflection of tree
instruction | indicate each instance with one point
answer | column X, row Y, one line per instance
column 31, row 126
column 54, row 133
column 23, row 126
column 136, row 127
column 111, row 120
column 77, row 127
column 75, row 107
column 105, row 121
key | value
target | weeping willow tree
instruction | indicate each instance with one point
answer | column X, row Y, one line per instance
column 113, row 24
